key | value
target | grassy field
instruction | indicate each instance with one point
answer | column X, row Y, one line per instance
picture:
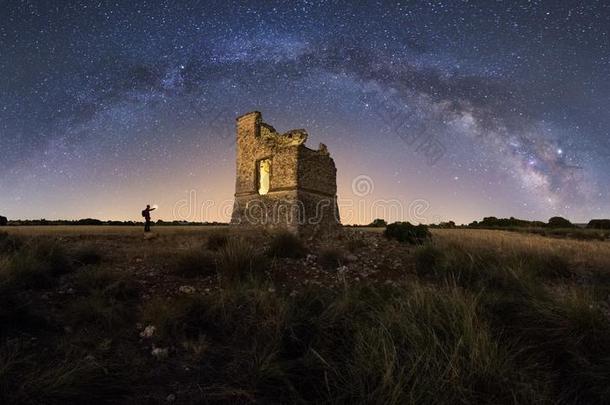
column 219, row 315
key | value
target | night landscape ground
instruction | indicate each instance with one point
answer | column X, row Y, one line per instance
column 304, row 202
column 226, row 315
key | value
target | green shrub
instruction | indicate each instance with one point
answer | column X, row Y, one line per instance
column 475, row 270
column 355, row 242
column 27, row 378
column 331, row 258
column 378, row 223
column 238, row 260
column 406, row 232
column 24, row 270
column 545, row 265
column 286, row 244
column 9, row 243
column 599, row 224
column 107, row 281
column 560, row 222
column 195, row 263
column 217, row 241
column 563, row 337
column 52, row 254
column 429, row 259
column 100, row 308
column 408, row 345
column 87, row 255
column 105, row 297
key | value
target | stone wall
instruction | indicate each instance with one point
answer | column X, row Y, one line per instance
column 316, row 171
column 303, row 188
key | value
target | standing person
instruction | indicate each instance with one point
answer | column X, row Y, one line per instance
column 146, row 215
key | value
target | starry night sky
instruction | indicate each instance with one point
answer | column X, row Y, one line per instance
column 108, row 105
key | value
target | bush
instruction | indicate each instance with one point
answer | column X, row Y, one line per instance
column 238, row 260
column 87, row 255
column 24, row 271
column 395, row 346
column 331, row 258
column 100, row 308
column 559, row 222
column 26, row 378
column 599, row 224
column 475, row 269
column 405, row 232
column 564, row 338
column 545, row 265
column 109, row 282
column 35, row 265
column 217, row 241
column 286, row 244
column 195, row 263
column 355, row 242
column 428, row 259
column 51, row 253
column 105, row 297
column 378, row 223
column 9, row 243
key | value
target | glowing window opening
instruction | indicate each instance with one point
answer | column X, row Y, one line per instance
column 264, row 171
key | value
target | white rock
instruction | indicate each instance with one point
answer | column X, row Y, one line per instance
column 311, row 258
column 186, row 289
column 160, row 352
column 148, row 332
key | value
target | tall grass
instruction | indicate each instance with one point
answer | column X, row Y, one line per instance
column 194, row 263
column 24, row 379
column 491, row 318
column 394, row 346
column 239, row 260
column 286, row 244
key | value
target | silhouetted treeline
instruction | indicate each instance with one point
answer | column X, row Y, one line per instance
column 512, row 222
column 92, row 221
column 493, row 222
column 599, row 224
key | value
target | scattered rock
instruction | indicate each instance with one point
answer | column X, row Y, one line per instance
column 171, row 398
column 187, row 289
column 148, row 332
column 351, row 258
column 160, row 353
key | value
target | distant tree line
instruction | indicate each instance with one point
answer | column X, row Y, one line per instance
column 92, row 221
column 512, row 222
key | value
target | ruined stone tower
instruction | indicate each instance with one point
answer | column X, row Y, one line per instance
column 280, row 182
